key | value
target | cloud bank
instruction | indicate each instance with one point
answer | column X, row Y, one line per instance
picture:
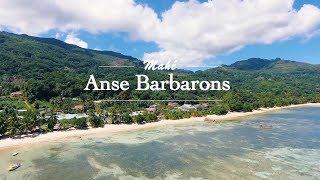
column 190, row 32
column 73, row 39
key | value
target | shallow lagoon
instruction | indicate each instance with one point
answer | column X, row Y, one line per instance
column 233, row 150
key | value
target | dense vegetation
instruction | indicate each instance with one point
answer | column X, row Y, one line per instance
column 12, row 123
column 50, row 73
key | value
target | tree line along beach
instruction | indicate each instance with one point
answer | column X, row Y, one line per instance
column 61, row 136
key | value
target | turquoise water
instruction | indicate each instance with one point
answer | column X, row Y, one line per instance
column 235, row 150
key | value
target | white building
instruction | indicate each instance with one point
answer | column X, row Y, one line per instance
column 187, row 107
column 71, row 116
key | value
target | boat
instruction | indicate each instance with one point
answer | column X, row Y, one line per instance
column 16, row 153
column 266, row 127
column 14, row 167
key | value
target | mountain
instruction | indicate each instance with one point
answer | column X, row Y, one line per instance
column 47, row 69
column 30, row 57
column 251, row 64
column 257, row 64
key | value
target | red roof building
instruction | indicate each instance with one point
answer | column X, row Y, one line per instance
column 151, row 109
column 16, row 94
column 205, row 104
column 78, row 107
column 173, row 104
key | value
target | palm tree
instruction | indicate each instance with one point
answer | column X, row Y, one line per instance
column 40, row 120
column 127, row 118
column 3, row 125
column 13, row 124
column 26, row 124
column 52, row 121
column 95, row 121
column 29, row 122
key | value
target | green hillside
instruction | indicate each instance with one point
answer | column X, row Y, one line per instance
column 278, row 65
column 30, row 57
column 49, row 69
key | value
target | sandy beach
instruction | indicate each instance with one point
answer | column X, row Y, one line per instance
column 59, row 136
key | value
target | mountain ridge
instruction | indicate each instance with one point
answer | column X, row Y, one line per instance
column 48, row 69
column 259, row 64
column 251, row 64
column 62, row 44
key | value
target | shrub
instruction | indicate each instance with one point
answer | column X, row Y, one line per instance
column 65, row 123
column 139, row 119
column 150, row 117
column 80, row 123
column 95, row 121
column 221, row 110
column 127, row 118
column 52, row 121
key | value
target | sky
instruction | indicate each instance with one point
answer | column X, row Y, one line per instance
column 195, row 33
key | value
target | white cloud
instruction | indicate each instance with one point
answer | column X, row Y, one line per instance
column 189, row 31
column 38, row 16
column 194, row 31
column 73, row 39
column 58, row 36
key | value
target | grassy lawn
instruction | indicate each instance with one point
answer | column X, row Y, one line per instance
column 11, row 102
column 44, row 104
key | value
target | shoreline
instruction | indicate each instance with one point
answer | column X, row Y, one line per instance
column 236, row 115
column 60, row 136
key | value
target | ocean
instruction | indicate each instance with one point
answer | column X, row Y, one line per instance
column 202, row 150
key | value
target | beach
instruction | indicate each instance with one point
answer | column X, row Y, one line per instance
column 59, row 136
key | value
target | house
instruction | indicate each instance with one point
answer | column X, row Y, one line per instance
column 151, row 109
column 205, row 104
column 23, row 110
column 78, row 107
column 97, row 102
column 173, row 104
column 16, row 94
column 136, row 113
column 187, row 107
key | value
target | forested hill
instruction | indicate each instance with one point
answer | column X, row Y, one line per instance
column 279, row 65
column 47, row 69
column 29, row 57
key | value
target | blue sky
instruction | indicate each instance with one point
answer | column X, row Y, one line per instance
column 128, row 39
column 298, row 49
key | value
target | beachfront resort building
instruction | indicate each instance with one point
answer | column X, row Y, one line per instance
column 71, row 116
column 187, row 107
